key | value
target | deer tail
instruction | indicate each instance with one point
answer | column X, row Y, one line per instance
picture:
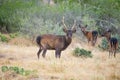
column 94, row 37
column 114, row 43
column 94, row 34
column 38, row 39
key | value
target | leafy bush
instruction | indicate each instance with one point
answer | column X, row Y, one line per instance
column 17, row 70
column 3, row 38
column 13, row 35
column 103, row 45
column 4, row 68
column 6, row 38
column 82, row 52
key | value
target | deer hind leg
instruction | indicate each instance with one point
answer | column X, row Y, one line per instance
column 94, row 41
column 115, row 53
column 112, row 52
column 109, row 53
column 38, row 53
column 59, row 55
column 44, row 53
column 115, row 48
column 88, row 41
column 117, row 45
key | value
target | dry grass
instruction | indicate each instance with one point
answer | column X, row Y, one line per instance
column 20, row 41
column 100, row 67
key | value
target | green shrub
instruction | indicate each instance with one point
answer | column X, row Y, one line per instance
column 4, row 68
column 3, row 38
column 17, row 70
column 82, row 52
column 13, row 35
column 103, row 45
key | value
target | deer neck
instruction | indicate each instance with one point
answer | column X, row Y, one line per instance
column 85, row 32
column 68, row 40
column 108, row 38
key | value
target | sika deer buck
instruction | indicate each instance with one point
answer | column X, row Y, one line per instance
column 55, row 42
column 90, row 35
column 112, row 42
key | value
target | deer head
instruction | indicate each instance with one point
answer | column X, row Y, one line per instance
column 106, row 33
column 83, row 28
column 69, row 32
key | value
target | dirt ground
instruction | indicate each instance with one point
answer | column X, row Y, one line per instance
column 68, row 67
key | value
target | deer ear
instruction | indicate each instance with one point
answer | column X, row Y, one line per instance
column 109, row 30
column 64, row 29
column 74, row 30
column 86, row 26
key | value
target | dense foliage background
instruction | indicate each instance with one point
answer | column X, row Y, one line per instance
column 33, row 17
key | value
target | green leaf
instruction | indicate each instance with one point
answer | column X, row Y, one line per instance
column 4, row 68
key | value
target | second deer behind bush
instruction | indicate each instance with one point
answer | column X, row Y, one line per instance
column 112, row 42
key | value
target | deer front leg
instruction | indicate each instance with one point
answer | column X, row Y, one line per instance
column 88, row 41
column 57, row 53
column 92, row 41
column 116, row 47
column 114, row 52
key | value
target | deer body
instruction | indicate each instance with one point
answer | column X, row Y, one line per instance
column 112, row 43
column 55, row 42
column 52, row 42
column 90, row 35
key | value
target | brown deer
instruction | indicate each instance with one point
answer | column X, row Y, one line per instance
column 112, row 42
column 90, row 35
column 55, row 42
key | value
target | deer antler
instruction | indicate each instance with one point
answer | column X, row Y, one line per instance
column 64, row 23
column 74, row 25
